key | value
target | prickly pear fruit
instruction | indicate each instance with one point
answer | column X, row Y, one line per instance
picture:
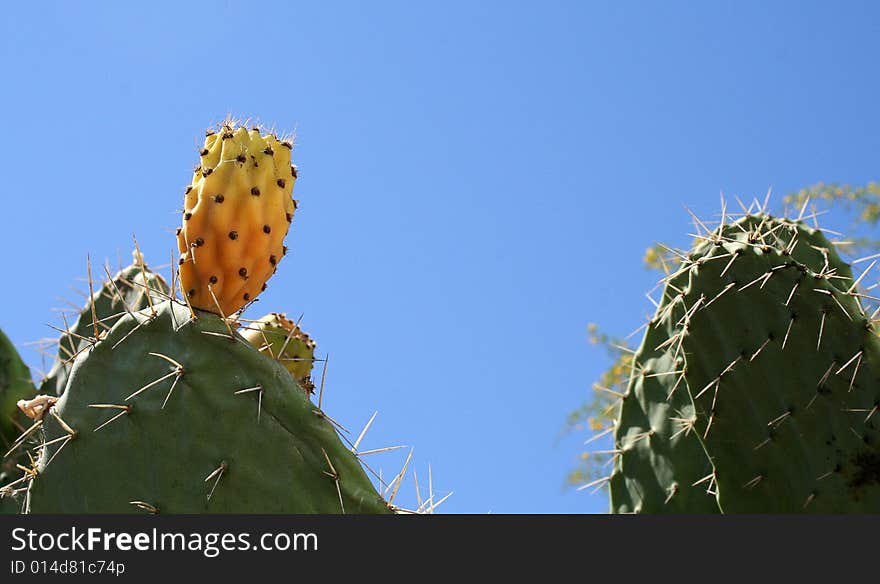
column 754, row 389
column 126, row 291
column 172, row 414
column 237, row 212
column 280, row 338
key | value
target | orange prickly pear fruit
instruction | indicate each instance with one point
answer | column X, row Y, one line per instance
column 237, row 212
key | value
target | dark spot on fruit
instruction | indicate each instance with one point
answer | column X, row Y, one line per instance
column 188, row 189
column 207, row 171
column 293, row 171
column 281, row 182
column 246, row 297
column 243, row 273
column 209, row 133
column 268, row 150
column 255, row 192
column 181, row 261
column 233, row 235
column 219, row 198
column 284, row 250
column 241, row 158
column 273, row 260
column 191, row 293
column 204, row 152
column 179, row 230
column 287, row 144
column 187, row 216
column 213, row 279
column 290, row 217
column 263, row 289
column 199, row 242
column 267, row 229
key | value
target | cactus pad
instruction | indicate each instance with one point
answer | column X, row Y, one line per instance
column 15, row 385
column 756, row 386
column 149, row 422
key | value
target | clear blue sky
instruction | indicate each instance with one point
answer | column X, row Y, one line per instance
column 478, row 181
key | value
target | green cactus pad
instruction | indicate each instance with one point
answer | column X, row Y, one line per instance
column 779, row 365
column 662, row 456
column 127, row 290
column 15, row 384
column 241, row 438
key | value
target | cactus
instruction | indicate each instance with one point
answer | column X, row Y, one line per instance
column 282, row 339
column 150, row 421
column 161, row 405
column 237, row 212
column 126, row 291
column 15, row 385
column 755, row 386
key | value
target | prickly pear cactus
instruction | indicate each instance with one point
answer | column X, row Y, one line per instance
column 15, row 385
column 151, row 421
column 131, row 289
column 164, row 407
column 237, row 212
column 280, row 338
column 756, row 386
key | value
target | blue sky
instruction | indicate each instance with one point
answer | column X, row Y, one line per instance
column 478, row 181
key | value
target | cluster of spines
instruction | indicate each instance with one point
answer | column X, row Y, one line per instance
column 131, row 289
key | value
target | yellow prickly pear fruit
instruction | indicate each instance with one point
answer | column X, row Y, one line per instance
column 237, row 212
column 280, row 338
